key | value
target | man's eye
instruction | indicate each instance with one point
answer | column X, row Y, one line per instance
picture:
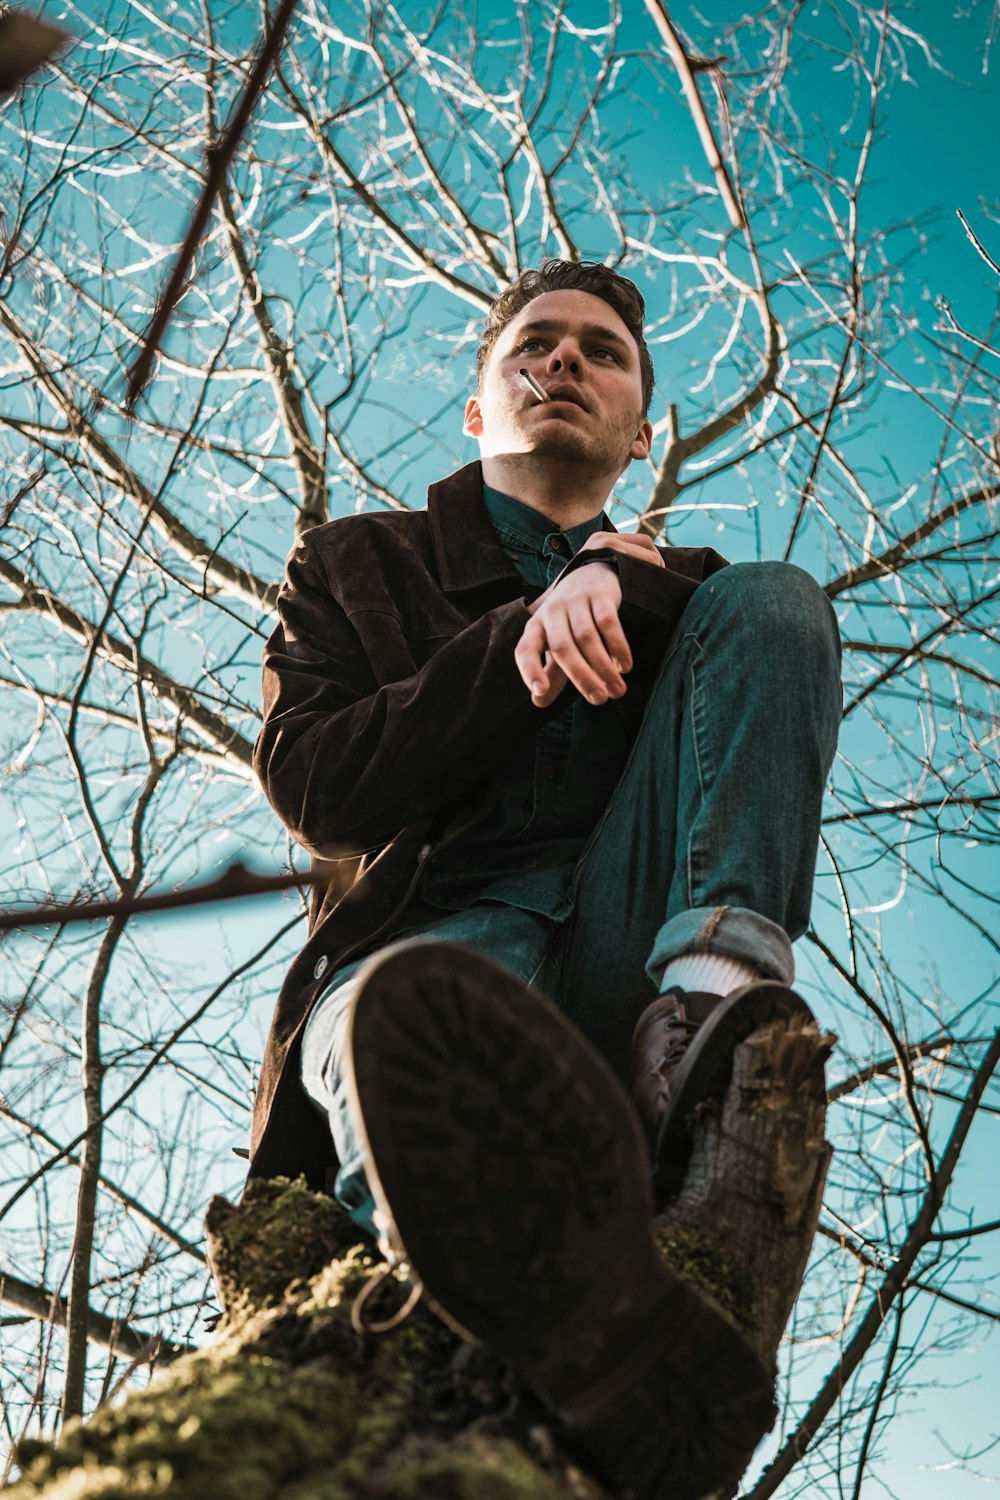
column 609, row 352
column 528, row 344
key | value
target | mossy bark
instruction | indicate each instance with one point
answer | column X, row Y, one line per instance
column 290, row 1401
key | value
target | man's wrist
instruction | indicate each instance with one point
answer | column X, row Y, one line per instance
column 610, row 562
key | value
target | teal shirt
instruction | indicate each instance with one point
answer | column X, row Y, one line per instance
column 556, row 780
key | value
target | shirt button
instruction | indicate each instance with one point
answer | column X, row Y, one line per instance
column 461, row 862
column 322, row 964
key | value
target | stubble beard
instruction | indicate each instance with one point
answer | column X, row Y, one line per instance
column 580, row 449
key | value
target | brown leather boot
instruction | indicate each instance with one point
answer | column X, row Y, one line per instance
column 511, row 1176
column 682, row 1059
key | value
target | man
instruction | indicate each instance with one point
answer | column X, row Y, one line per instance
column 575, row 766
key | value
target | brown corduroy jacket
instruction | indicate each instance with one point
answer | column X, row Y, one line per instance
column 391, row 699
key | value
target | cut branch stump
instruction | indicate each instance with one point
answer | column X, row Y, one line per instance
column 290, row 1401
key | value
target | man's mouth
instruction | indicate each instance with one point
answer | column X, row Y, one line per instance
column 562, row 393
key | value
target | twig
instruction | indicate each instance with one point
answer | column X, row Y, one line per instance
column 913, row 1052
column 977, row 242
column 888, row 561
column 39, row 1302
column 139, row 1079
column 235, row 747
column 952, row 325
column 234, row 883
column 219, row 158
column 112, row 1188
column 894, row 1283
column 685, row 72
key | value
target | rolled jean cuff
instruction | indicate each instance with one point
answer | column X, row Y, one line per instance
column 732, row 932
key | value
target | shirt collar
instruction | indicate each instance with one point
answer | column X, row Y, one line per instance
column 465, row 545
column 529, row 526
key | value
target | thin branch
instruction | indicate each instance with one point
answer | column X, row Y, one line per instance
column 967, row 1234
column 918, row 648
column 219, row 158
column 237, row 749
column 233, row 884
column 157, row 1057
column 832, row 1389
column 952, row 325
column 307, row 459
column 215, row 569
column 901, row 809
column 419, row 257
column 49, row 1307
column 890, row 560
column 978, row 244
column 85, row 1226
column 113, row 1190
column 884, row 1066
column 685, row 72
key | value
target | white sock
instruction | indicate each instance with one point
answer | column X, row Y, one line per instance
column 712, row 973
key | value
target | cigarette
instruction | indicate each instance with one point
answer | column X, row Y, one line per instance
column 533, row 386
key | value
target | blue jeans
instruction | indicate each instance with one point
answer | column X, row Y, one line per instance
column 708, row 843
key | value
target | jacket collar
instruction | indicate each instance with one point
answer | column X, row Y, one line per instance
column 466, row 549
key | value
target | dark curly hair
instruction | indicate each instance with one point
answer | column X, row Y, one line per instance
column 571, row 276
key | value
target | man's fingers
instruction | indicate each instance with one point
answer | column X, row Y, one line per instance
column 529, row 657
column 610, row 626
column 576, row 635
column 637, row 541
column 554, row 680
column 576, row 645
column 539, row 673
column 635, row 544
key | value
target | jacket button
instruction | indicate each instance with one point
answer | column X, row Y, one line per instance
column 322, row 964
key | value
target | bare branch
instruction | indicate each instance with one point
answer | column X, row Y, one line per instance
column 239, row 751
column 685, row 72
column 234, row 884
column 219, row 157
column 108, row 1333
column 896, row 1280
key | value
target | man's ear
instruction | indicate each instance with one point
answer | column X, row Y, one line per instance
column 643, row 440
column 473, row 424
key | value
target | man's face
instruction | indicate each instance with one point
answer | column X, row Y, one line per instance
column 580, row 352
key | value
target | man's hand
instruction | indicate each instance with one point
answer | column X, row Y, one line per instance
column 575, row 634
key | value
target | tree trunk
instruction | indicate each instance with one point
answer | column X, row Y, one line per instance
column 290, row 1401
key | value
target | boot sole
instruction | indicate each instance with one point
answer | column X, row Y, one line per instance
column 704, row 1073
column 502, row 1148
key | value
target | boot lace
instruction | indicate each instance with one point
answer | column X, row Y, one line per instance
column 394, row 1268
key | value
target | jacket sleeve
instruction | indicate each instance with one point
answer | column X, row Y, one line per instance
column 652, row 596
column 347, row 762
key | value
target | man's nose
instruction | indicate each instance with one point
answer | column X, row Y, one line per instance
column 566, row 356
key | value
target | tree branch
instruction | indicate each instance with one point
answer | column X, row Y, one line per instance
column 214, row 568
column 237, row 749
column 893, row 557
column 233, row 884
column 219, row 158
column 685, row 72
column 893, row 1284
column 119, row 1338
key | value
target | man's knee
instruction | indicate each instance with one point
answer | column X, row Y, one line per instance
column 774, row 604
